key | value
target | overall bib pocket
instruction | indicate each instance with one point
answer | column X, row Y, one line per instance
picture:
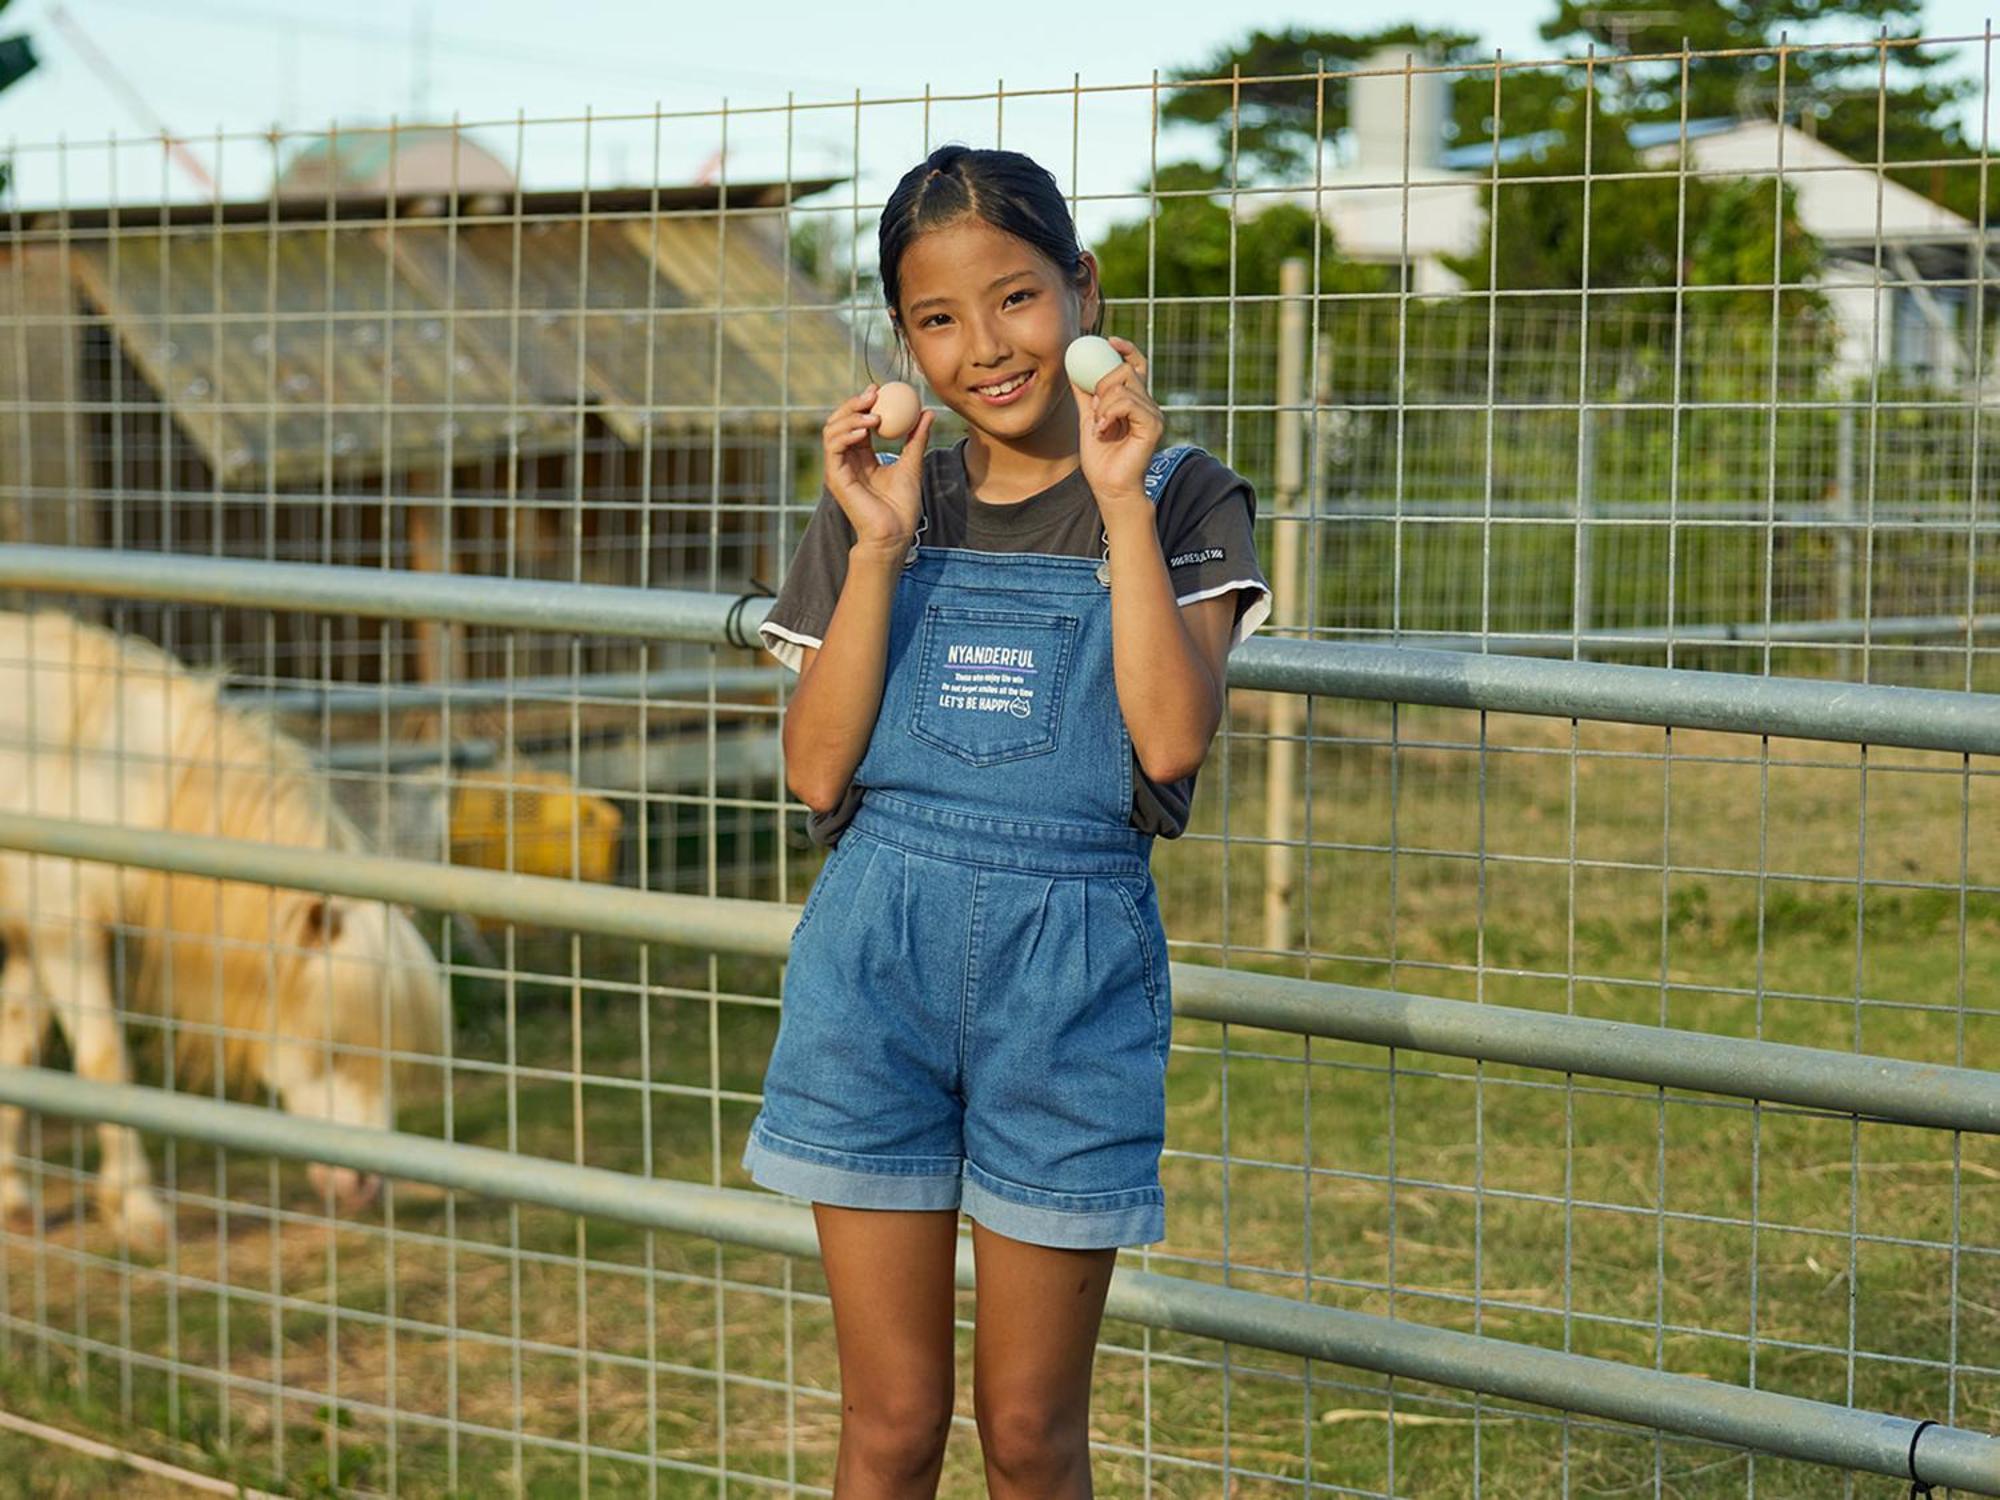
column 990, row 681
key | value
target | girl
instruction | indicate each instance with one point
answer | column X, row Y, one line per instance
column 1010, row 659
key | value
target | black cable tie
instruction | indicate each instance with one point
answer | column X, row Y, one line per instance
column 1918, row 1489
column 731, row 622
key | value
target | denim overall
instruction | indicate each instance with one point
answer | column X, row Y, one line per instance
column 976, row 1010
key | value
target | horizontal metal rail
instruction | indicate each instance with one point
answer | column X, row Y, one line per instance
column 1879, row 1088
column 376, row 593
column 1670, row 697
column 1847, row 634
column 1850, row 713
column 487, row 692
column 1790, row 1426
column 1883, row 1088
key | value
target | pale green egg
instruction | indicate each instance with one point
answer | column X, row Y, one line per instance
column 1089, row 359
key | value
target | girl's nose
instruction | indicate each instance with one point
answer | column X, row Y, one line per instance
column 990, row 348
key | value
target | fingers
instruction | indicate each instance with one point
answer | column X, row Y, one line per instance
column 1128, row 403
column 837, row 440
column 919, row 438
column 1134, row 360
column 850, row 423
column 852, row 412
column 860, row 401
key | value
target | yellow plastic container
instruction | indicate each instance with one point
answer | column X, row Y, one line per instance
column 557, row 830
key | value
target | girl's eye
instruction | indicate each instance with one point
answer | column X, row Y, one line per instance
column 932, row 320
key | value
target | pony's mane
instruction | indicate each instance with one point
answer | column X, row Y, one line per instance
column 206, row 946
column 235, row 773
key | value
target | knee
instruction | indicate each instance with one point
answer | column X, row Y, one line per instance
column 899, row 1435
column 1031, row 1443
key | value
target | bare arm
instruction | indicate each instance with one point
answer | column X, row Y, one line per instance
column 833, row 709
column 832, row 712
column 1168, row 660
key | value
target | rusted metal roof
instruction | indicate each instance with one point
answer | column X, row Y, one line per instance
column 289, row 352
column 290, row 355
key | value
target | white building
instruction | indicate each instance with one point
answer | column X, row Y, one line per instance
column 1897, row 264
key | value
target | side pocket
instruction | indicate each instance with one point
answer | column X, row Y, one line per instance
column 819, row 885
column 1147, row 933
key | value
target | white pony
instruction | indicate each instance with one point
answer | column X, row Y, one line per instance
column 297, row 992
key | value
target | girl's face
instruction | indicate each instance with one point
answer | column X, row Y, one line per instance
column 987, row 317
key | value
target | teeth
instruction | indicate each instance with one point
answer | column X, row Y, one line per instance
column 1003, row 388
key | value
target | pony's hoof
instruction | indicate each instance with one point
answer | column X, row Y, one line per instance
column 352, row 1191
column 138, row 1221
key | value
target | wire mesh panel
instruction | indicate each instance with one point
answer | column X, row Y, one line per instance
column 1481, row 410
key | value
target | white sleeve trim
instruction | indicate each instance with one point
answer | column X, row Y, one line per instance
column 787, row 645
column 1255, row 613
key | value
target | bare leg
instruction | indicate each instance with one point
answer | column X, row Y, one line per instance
column 79, row 993
column 889, row 1272
column 23, row 1019
column 1039, row 1312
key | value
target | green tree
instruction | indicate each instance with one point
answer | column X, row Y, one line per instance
column 1844, row 93
column 1647, row 235
column 1191, row 243
column 1265, row 100
column 1278, row 115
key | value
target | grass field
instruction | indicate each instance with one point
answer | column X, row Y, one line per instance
column 1718, row 889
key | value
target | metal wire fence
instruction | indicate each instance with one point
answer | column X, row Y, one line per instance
column 471, row 487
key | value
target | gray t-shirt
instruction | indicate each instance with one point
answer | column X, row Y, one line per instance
column 1204, row 516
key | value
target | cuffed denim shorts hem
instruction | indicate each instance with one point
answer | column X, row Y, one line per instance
column 845, row 1180
column 1070, row 1221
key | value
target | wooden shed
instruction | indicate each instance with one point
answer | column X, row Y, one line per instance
column 619, row 386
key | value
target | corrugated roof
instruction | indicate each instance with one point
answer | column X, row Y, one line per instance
column 292, row 355
column 787, row 351
column 286, row 351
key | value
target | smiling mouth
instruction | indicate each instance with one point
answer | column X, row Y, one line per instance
column 1001, row 392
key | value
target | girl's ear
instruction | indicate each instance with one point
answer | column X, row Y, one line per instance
column 1090, row 296
column 905, row 362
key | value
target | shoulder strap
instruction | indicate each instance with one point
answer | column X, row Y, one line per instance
column 1162, row 468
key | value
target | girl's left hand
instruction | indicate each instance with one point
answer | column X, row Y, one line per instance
column 1119, row 425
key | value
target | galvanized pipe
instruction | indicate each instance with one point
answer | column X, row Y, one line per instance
column 1883, row 1088
column 1749, row 633
column 1738, row 703
column 1909, row 1093
column 375, row 593
column 351, row 698
column 726, row 923
column 1851, row 713
column 1817, row 1431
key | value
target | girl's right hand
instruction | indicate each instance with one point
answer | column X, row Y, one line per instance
column 883, row 502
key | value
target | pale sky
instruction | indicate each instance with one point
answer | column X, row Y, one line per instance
column 237, row 67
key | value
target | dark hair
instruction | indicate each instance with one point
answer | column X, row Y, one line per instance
column 1010, row 191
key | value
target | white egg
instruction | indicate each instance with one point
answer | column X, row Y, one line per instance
column 899, row 406
column 1089, row 359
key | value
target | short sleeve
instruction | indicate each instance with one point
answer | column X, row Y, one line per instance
column 1207, row 526
column 798, row 617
